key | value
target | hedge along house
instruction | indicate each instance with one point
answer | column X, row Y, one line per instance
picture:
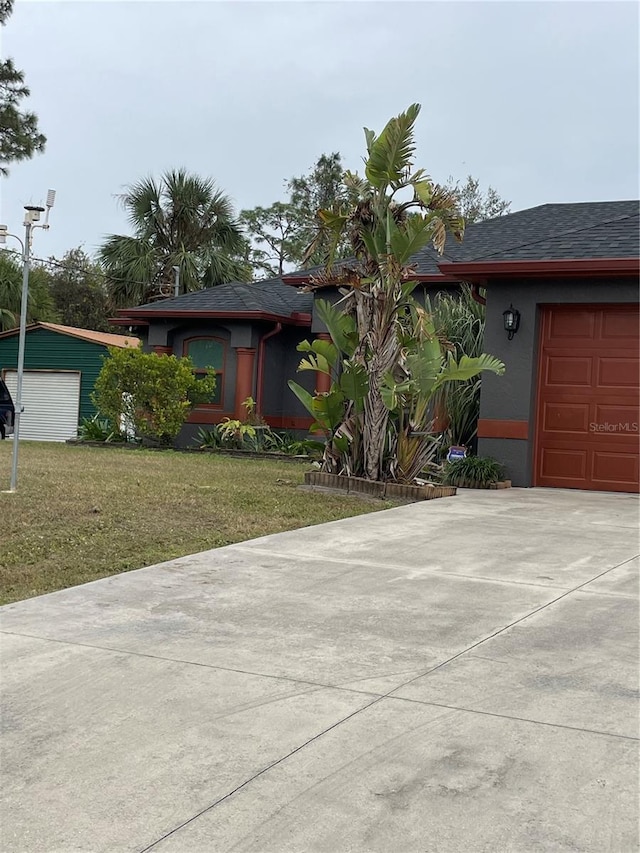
column 61, row 365
column 565, row 414
column 248, row 333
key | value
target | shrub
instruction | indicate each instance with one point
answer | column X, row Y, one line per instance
column 149, row 394
column 236, row 434
column 460, row 320
column 97, row 429
column 209, row 438
column 293, row 446
column 233, row 434
column 479, row 470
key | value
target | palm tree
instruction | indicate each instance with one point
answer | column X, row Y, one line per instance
column 40, row 305
column 181, row 220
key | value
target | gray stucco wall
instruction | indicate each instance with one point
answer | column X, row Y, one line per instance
column 512, row 396
column 281, row 364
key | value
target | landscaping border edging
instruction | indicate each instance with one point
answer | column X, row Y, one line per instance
column 501, row 484
column 375, row 489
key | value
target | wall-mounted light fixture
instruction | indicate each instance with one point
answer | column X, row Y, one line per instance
column 511, row 320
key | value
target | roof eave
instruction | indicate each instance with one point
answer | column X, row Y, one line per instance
column 60, row 330
column 126, row 321
column 423, row 278
column 480, row 271
column 16, row 330
column 296, row 319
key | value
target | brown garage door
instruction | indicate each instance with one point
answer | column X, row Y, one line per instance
column 588, row 394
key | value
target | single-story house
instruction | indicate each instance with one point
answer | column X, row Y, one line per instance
column 61, row 365
column 248, row 333
column 565, row 413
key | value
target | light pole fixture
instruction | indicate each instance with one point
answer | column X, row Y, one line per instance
column 511, row 321
column 31, row 218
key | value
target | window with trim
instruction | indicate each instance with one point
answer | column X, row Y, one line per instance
column 208, row 354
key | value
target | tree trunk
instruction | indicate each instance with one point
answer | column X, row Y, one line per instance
column 384, row 351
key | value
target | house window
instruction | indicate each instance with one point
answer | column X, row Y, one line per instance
column 208, row 354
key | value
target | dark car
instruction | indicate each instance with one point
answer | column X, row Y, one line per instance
column 7, row 411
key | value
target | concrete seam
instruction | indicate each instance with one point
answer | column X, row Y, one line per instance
column 258, row 774
column 366, row 564
column 321, row 685
column 513, row 624
column 514, row 718
column 169, row 660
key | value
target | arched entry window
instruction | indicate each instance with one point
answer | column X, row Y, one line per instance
column 208, row 354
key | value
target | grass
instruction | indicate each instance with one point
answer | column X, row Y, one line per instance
column 83, row 513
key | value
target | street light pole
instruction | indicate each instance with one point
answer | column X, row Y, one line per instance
column 32, row 216
column 28, row 224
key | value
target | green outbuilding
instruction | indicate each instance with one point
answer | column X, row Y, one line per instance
column 61, row 365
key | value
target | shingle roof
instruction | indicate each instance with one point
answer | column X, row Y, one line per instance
column 546, row 233
column 104, row 338
column 270, row 297
column 609, row 229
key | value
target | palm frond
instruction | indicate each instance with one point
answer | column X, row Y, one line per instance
column 132, row 267
column 391, row 153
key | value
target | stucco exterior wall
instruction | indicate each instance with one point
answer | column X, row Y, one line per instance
column 281, row 364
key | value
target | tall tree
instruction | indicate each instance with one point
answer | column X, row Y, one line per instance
column 20, row 138
column 280, row 235
column 476, row 204
column 79, row 292
column 179, row 220
column 321, row 188
column 273, row 240
column 40, row 305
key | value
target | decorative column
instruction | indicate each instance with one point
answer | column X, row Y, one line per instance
column 245, row 361
column 323, row 382
column 159, row 350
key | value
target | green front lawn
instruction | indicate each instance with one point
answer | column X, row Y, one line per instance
column 82, row 513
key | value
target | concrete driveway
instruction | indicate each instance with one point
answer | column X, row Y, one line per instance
column 453, row 676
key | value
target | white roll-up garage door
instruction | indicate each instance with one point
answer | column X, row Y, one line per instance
column 51, row 401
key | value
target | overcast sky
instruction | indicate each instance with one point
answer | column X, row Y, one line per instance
column 538, row 99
